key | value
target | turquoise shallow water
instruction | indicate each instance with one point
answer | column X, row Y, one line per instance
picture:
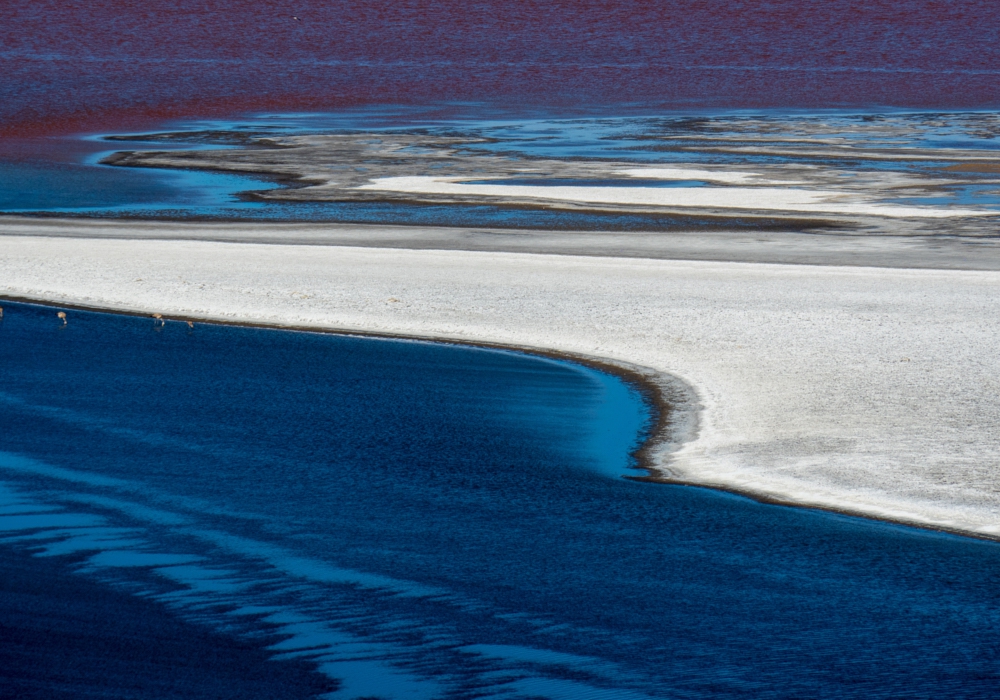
column 424, row 520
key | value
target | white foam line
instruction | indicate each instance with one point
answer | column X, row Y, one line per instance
column 757, row 199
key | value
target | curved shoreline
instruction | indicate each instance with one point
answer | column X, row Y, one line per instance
column 669, row 428
column 803, row 373
column 654, row 438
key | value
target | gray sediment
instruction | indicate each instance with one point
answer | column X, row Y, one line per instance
column 919, row 252
column 341, row 168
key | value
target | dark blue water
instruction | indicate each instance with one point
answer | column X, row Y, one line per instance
column 424, row 520
column 67, row 637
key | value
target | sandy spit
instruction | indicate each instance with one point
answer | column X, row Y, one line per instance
column 756, row 199
column 869, row 390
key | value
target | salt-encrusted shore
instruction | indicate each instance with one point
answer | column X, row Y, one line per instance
column 867, row 390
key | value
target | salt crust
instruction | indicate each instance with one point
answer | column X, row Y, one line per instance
column 757, row 199
column 868, row 390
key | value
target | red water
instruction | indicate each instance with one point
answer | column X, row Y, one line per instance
column 67, row 66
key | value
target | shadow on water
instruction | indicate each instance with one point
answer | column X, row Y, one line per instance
column 427, row 520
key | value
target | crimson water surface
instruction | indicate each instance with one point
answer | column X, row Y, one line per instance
column 100, row 65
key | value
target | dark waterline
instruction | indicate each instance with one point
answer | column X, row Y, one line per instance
column 436, row 521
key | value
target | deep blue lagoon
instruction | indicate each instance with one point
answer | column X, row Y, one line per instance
column 425, row 520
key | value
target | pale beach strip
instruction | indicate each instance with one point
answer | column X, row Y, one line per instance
column 871, row 391
column 756, row 199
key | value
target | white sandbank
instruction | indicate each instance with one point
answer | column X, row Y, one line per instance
column 870, row 390
column 752, row 199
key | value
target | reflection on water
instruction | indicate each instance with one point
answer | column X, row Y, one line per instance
column 425, row 521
